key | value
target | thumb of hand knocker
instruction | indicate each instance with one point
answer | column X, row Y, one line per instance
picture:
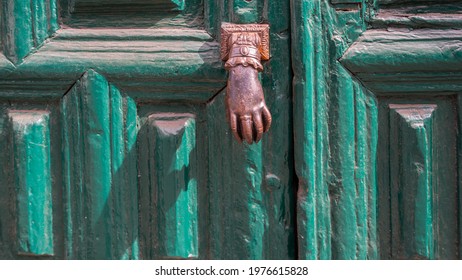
column 243, row 46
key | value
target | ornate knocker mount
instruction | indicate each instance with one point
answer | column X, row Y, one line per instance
column 243, row 47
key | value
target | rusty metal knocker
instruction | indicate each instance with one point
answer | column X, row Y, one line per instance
column 243, row 46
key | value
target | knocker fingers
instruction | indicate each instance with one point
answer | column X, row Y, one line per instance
column 234, row 128
column 258, row 125
column 266, row 118
column 250, row 128
column 246, row 128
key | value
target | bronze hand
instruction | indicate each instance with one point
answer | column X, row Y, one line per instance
column 243, row 47
column 247, row 112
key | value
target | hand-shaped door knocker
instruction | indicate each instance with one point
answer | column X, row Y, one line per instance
column 243, row 46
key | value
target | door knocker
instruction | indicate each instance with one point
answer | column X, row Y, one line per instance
column 243, row 47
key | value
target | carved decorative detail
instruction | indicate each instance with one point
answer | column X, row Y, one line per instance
column 228, row 29
column 243, row 47
column 414, row 114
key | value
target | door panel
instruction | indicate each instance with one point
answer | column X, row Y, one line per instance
column 29, row 184
column 31, row 150
column 172, row 180
column 99, row 167
column 417, row 181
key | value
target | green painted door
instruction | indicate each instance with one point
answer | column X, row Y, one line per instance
column 115, row 143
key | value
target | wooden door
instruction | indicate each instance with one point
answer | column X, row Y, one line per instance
column 114, row 138
column 115, row 143
column 377, row 128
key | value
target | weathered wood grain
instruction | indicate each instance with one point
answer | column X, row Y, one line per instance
column 100, row 204
column 169, row 186
column 138, row 13
column 251, row 186
column 33, row 181
column 417, row 179
column 332, row 208
column 30, row 181
column 407, row 61
column 411, row 173
column 26, row 25
column 144, row 63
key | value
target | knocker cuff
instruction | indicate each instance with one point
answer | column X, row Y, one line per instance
column 244, row 61
column 245, row 56
column 245, row 51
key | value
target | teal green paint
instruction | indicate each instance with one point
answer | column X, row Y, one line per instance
column 443, row 180
column 192, row 11
column 179, row 4
column 173, row 186
column 244, row 188
column 343, row 187
column 72, row 150
column 183, row 153
column 320, row 87
column 131, row 124
column 31, row 150
column 304, row 104
column 245, row 11
column 17, row 30
column 417, row 178
column 216, row 179
column 361, row 171
column 147, row 195
column 185, row 243
column 324, row 93
column 424, row 196
column 117, row 130
column 117, row 200
column 21, row 32
column 97, row 144
column 100, row 130
column 423, row 61
column 198, row 74
column 349, row 234
column 183, row 214
column 316, row 71
column 258, row 221
column 414, row 168
column 404, row 52
column 26, row 25
column 277, row 190
column 215, row 12
column 39, row 17
column 96, row 163
column 372, row 108
column 210, row 15
column 53, row 16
